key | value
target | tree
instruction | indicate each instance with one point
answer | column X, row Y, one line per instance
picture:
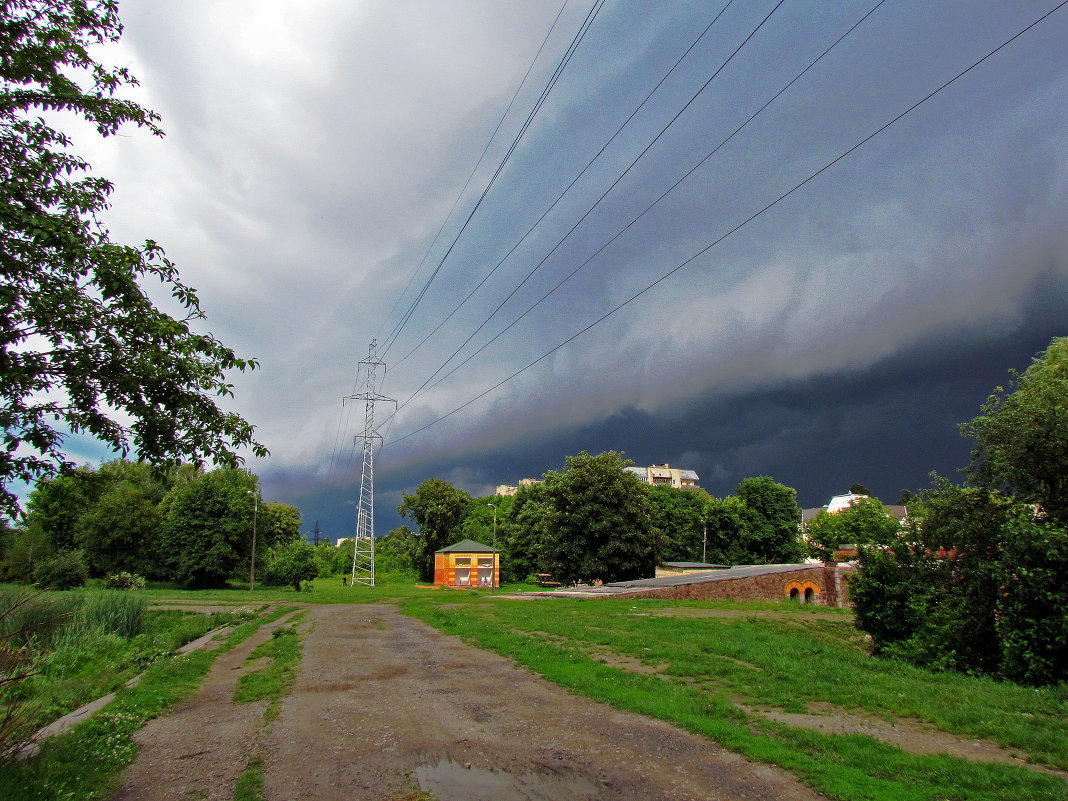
column 1032, row 609
column 291, row 563
column 599, row 522
column 864, row 522
column 207, row 532
column 439, row 510
column 773, row 519
column 25, row 551
column 522, row 534
column 399, row 552
column 939, row 582
column 1021, row 439
column 327, row 562
column 858, row 489
column 120, row 532
column 84, row 349
column 728, row 527
column 278, row 524
column 56, row 504
column 681, row 514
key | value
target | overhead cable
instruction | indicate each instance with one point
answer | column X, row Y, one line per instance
column 739, row 226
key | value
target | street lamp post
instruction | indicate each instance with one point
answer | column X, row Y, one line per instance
column 494, row 579
column 255, row 512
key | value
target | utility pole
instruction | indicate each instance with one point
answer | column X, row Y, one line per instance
column 704, row 545
column 316, row 532
column 363, row 557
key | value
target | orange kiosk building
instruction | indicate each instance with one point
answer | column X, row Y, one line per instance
column 467, row 564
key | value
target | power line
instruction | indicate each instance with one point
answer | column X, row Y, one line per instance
column 474, row 169
column 740, row 225
column 584, row 28
column 590, row 210
column 645, row 211
column 561, row 196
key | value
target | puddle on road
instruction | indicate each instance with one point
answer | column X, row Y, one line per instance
column 451, row 781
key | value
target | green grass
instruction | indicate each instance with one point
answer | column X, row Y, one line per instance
column 275, row 678
column 83, row 645
column 698, row 667
column 249, row 786
column 85, row 763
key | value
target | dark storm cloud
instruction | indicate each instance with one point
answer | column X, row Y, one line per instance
column 314, row 151
column 887, row 426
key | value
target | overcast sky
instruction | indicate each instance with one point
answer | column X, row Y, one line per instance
column 312, row 180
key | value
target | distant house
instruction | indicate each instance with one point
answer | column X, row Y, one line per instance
column 664, row 475
column 511, row 489
column 840, row 502
column 467, row 564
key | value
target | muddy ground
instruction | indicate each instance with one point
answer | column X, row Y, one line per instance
column 384, row 706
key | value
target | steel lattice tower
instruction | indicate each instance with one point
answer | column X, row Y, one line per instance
column 363, row 559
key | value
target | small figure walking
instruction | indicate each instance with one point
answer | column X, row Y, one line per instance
column 344, row 581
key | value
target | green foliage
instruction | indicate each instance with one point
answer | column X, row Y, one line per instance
column 290, row 564
column 278, row 524
column 120, row 531
column 124, row 581
column 864, row 522
column 85, row 762
column 1021, row 439
column 56, row 504
column 398, row 553
column 979, row 587
column 599, row 522
column 63, row 571
column 327, row 562
column 772, row 518
column 1032, row 608
column 84, row 348
column 728, row 531
column 681, row 515
column 207, row 533
column 521, row 534
column 25, row 550
column 439, row 510
column 946, row 576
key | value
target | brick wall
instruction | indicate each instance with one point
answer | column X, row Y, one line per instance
column 761, row 587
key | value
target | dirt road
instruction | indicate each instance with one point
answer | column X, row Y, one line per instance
column 384, row 706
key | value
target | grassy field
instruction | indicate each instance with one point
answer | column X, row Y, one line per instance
column 713, row 668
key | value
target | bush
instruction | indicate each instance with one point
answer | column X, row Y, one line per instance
column 291, row 564
column 64, row 571
column 124, row 581
column 1032, row 607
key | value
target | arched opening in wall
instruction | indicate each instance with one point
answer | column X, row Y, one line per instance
column 803, row 591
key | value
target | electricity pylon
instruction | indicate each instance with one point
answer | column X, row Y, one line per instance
column 363, row 558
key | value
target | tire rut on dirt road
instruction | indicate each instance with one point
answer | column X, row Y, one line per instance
column 383, row 701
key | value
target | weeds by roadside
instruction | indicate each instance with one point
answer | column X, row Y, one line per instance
column 85, row 763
